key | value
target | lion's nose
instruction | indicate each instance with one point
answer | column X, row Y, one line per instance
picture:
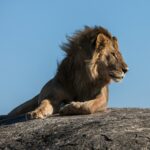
column 125, row 70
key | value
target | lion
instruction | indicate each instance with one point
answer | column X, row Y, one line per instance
column 80, row 85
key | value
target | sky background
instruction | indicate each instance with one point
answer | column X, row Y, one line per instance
column 31, row 32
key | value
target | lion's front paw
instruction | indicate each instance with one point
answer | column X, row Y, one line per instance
column 38, row 114
column 71, row 109
column 35, row 115
column 44, row 110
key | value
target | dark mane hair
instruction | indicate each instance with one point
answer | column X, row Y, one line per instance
column 81, row 38
column 72, row 72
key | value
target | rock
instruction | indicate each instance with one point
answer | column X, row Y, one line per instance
column 118, row 129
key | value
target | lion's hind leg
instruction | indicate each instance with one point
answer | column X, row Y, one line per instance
column 44, row 110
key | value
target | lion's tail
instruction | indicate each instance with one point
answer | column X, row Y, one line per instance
column 22, row 109
column 19, row 114
column 2, row 117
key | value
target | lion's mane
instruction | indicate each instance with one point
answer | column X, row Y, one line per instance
column 73, row 72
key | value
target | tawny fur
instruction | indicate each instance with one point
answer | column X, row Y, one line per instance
column 80, row 85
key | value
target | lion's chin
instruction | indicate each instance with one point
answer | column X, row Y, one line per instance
column 116, row 79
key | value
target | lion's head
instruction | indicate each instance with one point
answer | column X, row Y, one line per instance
column 98, row 50
column 107, row 61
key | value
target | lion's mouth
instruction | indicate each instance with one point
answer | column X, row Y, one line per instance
column 116, row 77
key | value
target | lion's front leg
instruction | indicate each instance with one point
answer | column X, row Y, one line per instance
column 44, row 110
column 74, row 108
column 88, row 107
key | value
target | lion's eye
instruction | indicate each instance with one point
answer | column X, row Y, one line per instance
column 114, row 55
column 101, row 46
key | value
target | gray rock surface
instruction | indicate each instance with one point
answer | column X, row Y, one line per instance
column 118, row 129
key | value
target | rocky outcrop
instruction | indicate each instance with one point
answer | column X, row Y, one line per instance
column 118, row 129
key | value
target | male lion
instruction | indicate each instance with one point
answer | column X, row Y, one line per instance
column 80, row 85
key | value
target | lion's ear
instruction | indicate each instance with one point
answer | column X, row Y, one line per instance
column 100, row 41
column 115, row 41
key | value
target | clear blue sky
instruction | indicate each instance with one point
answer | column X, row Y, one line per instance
column 32, row 30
